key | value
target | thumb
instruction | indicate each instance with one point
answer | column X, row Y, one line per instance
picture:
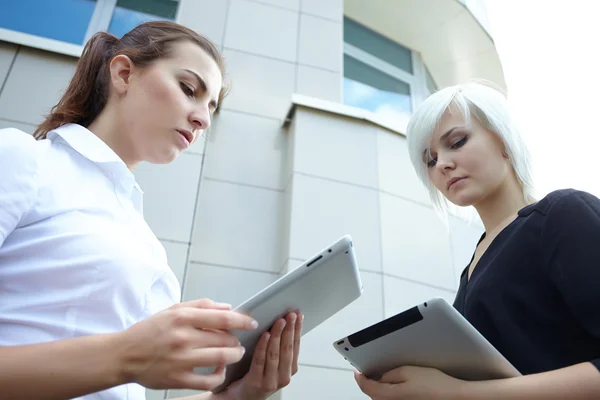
column 367, row 386
column 398, row 375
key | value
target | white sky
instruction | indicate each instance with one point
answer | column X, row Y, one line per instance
column 550, row 53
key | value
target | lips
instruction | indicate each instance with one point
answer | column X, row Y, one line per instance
column 189, row 136
column 453, row 181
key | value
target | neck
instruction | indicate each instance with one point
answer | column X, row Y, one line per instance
column 107, row 128
column 500, row 208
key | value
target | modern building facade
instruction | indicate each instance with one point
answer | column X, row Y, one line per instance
column 310, row 145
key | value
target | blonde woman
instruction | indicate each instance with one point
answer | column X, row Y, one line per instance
column 532, row 287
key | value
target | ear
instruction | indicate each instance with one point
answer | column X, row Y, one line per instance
column 121, row 70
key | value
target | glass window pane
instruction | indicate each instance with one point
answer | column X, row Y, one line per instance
column 371, row 89
column 64, row 20
column 431, row 86
column 381, row 47
column 130, row 13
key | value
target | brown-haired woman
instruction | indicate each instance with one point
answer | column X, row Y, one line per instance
column 90, row 307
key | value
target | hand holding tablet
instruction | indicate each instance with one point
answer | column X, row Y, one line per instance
column 308, row 290
column 432, row 334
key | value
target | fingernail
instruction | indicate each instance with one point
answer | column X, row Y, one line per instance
column 293, row 318
column 254, row 324
column 224, row 305
column 243, row 350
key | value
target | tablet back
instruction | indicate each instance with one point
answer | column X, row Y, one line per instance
column 319, row 288
column 432, row 334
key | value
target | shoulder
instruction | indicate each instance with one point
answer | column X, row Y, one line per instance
column 15, row 137
column 21, row 157
column 564, row 216
column 572, row 202
column 570, row 218
column 20, row 167
column 565, row 202
column 17, row 146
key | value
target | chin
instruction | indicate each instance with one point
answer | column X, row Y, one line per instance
column 463, row 199
column 165, row 158
column 461, row 202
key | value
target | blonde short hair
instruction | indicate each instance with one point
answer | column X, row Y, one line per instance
column 490, row 107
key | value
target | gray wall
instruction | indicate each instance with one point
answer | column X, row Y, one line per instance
column 31, row 81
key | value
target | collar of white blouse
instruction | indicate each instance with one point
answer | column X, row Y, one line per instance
column 91, row 147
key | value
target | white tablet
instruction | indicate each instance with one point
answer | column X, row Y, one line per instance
column 319, row 288
column 432, row 334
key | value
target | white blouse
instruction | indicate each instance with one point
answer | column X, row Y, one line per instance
column 76, row 256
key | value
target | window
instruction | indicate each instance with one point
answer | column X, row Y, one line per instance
column 379, row 46
column 65, row 25
column 367, row 87
column 63, row 20
column 431, row 86
column 381, row 75
column 130, row 13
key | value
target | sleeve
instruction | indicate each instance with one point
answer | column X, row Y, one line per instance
column 571, row 240
column 18, row 178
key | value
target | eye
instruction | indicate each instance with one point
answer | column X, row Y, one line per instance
column 187, row 90
column 429, row 159
column 460, row 143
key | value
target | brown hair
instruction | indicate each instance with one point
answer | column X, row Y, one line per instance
column 87, row 92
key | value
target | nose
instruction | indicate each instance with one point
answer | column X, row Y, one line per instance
column 200, row 118
column 445, row 162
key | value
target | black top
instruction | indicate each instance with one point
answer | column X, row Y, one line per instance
column 535, row 292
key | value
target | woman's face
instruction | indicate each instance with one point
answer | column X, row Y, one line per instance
column 467, row 164
column 167, row 105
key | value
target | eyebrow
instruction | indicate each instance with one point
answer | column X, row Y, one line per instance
column 444, row 136
column 203, row 86
column 449, row 131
